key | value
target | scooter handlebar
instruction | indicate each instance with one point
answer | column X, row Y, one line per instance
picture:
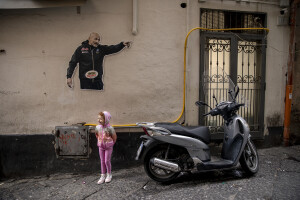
column 218, row 110
column 236, row 106
column 213, row 112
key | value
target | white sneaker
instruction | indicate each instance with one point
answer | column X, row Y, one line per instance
column 102, row 179
column 108, row 178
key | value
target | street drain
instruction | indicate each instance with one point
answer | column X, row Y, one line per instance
column 293, row 158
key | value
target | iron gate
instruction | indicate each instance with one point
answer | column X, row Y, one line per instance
column 242, row 57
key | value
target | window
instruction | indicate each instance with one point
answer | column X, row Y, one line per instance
column 220, row 19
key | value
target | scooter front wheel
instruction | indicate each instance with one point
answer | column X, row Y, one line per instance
column 249, row 158
column 156, row 173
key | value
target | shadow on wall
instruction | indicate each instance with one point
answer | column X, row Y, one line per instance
column 32, row 155
column 275, row 131
column 295, row 127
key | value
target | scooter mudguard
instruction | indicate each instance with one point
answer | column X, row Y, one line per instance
column 147, row 144
column 198, row 150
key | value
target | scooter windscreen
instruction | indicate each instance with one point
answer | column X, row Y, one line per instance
column 218, row 87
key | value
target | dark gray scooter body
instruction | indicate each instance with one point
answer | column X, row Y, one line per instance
column 236, row 134
column 171, row 148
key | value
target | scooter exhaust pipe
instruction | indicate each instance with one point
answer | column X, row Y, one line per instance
column 165, row 164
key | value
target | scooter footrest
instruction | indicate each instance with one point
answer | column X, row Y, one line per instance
column 220, row 164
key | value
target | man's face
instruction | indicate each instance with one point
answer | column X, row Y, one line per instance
column 94, row 40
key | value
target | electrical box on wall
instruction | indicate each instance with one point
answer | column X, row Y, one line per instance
column 71, row 141
column 282, row 20
column 284, row 3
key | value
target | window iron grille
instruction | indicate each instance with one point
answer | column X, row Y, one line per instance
column 220, row 19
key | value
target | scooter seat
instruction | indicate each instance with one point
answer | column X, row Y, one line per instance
column 198, row 132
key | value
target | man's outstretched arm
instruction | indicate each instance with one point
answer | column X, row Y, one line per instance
column 72, row 65
column 115, row 48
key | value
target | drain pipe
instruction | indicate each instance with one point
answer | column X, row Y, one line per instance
column 134, row 16
column 289, row 83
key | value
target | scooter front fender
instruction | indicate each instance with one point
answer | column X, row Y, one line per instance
column 236, row 135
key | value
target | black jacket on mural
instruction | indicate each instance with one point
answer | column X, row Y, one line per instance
column 91, row 58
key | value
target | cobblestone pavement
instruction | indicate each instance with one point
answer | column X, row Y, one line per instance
column 278, row 178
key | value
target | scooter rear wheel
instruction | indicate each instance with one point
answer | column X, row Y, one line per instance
column 158, row 174
column 249, row 158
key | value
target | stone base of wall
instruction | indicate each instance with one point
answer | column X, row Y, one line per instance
column 31, row 155
column 295, row 127
column 274, row 138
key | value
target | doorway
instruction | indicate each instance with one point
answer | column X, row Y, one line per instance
column 242, row 56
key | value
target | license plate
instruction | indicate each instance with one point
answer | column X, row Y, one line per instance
column 139, row 151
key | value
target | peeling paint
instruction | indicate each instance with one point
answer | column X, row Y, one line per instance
column 295, row 115
column 9, row 92
column 274, row 120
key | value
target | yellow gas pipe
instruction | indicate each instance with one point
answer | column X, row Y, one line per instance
column 184, row 69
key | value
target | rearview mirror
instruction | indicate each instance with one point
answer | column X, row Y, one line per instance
column 201, row 103
column 237, row 90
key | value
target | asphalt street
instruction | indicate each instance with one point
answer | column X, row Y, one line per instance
column 278, row 178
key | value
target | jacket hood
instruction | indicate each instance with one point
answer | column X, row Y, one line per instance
column 86, row 42
column 107, row 118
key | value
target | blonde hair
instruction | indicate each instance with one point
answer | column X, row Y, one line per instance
column 102, row 115
column 109, row 130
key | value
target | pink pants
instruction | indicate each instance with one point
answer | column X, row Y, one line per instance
column 105, row 151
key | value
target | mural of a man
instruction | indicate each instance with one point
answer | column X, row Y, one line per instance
column 90, row 55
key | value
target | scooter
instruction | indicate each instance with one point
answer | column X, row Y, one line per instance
column 168, row 149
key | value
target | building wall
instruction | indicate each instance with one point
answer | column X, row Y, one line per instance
column 143, row 83
column 276, row 58
column 295, row 115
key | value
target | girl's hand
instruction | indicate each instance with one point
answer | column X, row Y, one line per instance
column 106, row 134
column 114, row 137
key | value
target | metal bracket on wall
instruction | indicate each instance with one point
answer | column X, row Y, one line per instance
column 71, row 141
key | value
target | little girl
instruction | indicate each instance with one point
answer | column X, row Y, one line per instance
column 106, row 137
